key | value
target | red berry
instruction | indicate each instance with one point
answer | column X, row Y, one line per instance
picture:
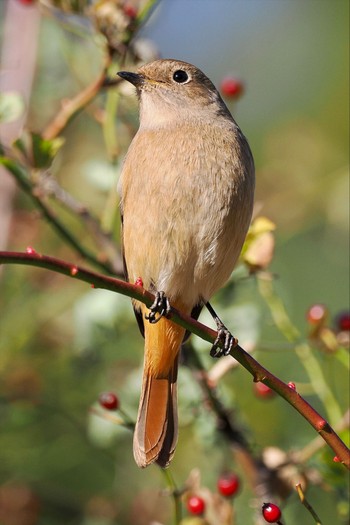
column 109, row 400
column 336, row 459
column 343, row 321
column 231, row 87
column 228, row 484
column 317, row 314
column 130, row 11
column 139, row 282
column 271, row 513
column 195, row 505
column 292, row 385
column 263, row 391
column 30, row 250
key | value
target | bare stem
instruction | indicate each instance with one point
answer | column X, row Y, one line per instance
column 49, row 186
column 302, row 349
column 260, row 476
column 306, row 504
column 23, row 181
column 303, row 455
column 258, row 372
column 72, row 107
column 176, row 495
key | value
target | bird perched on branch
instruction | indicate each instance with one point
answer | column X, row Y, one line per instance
column 187, row 188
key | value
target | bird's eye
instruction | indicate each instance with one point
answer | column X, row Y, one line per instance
column 180, row 76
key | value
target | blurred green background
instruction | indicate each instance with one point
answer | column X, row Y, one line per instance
column 62, row 343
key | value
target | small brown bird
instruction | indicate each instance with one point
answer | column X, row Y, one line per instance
column 187, row 188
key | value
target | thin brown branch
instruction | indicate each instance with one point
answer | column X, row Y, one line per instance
column 261, row 478
column 113, row 417
column 48, row 186
column 258, row 372
column 302, row 456
column 224, row 424
column 25, row 183
column 307, row 505
column 70, row 108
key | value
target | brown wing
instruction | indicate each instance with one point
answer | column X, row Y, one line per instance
column 138, row 314
column 137, row 311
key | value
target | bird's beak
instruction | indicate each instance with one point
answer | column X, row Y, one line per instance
column 134, row 78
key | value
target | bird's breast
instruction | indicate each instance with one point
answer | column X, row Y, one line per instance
column 186, row 205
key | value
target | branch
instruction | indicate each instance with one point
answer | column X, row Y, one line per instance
column 307, row 505
column 48, row 186
column 23, row 181
column 261, row 477
column 258, row 372
column 303, row 455
column 224, row 424
column 302, row 349
column 70, row 108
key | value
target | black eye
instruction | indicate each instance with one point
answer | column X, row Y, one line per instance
column 180, row 76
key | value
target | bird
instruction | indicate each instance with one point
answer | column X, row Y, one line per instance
column 186, row 199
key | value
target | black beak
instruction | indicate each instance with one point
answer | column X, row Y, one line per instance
column 133, row 78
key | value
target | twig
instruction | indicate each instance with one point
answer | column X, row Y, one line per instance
column 23, row 181
column 70, row 108
column 246, row 360
column 225, row 425
column 146, row 11
column 49, row 186
column 302, row 349
column 176, row 495
column 307, row 504
column 260, row 476
column 122, row 420
column 303, row 455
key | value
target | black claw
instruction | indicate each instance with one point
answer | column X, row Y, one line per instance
column 161, row 306
column 224, row 341
column 224, row 338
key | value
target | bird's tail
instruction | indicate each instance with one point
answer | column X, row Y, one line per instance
column 156, row 429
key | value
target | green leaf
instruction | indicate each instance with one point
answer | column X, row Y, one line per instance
column 11, row 106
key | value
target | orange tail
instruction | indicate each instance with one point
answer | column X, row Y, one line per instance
column 156, row 429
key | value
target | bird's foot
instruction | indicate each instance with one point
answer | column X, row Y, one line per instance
column 161, row 306
column 224, row 341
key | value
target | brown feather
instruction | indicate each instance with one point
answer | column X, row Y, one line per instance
column 156, row 431
column 187, row 190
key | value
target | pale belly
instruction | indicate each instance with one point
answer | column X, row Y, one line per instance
column 187, row 252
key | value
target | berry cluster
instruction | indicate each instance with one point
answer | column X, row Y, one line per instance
column 318, row 314
column 228, row 485
column 326, row 337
